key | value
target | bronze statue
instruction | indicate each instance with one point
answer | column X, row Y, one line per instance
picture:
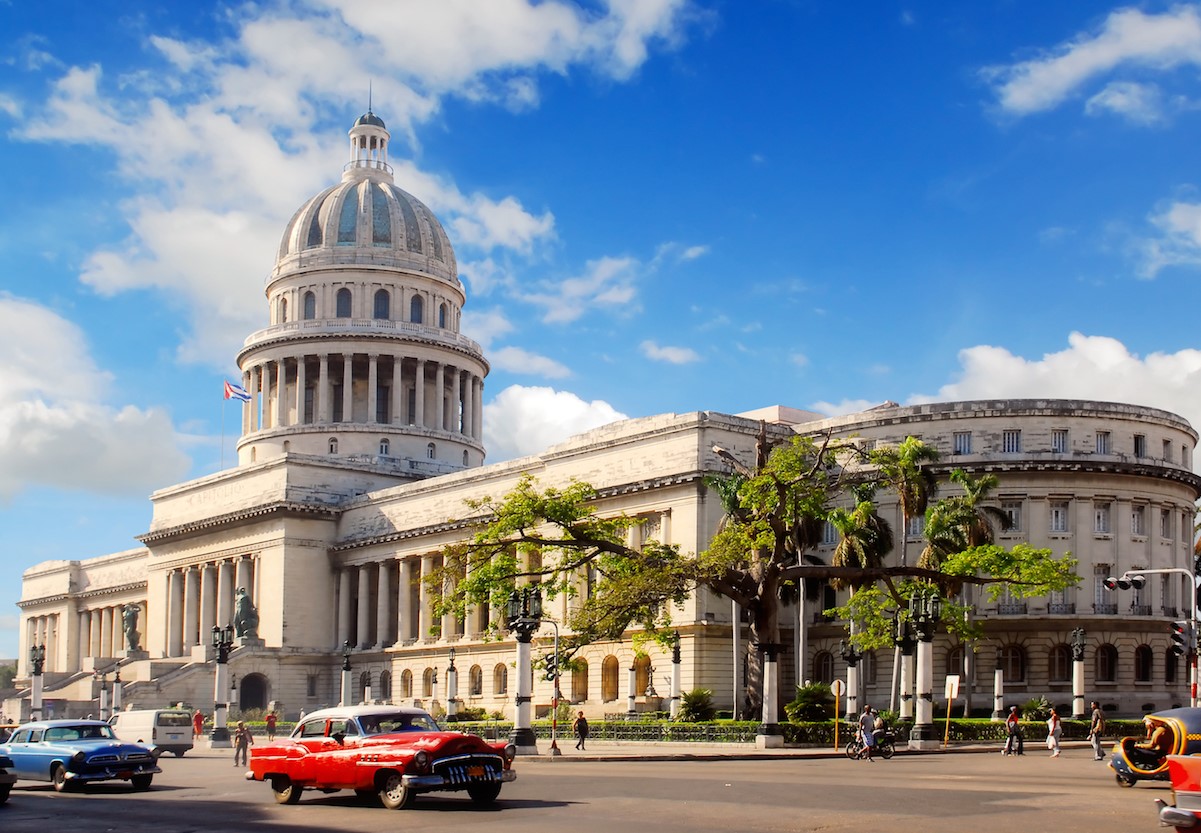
column 129, row 621
column 246, row 618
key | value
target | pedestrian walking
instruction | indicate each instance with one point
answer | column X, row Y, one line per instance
column 271, row 720
column 579, row 728
column 867, row 732
column 1014, row 742
column 197, row 723
column 1095, row 730
column 243, row 740
column 1054, row 730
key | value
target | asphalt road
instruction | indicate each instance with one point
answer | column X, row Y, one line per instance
column 926, row 793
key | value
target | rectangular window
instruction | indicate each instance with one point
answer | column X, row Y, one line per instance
column 1059, row 516
column 1138, row 520
column 383, row 403
column 1186, row 525
column 1103, row 598
column 917, row 525
column 1059, row 441
column 829, row 533
column 1013, row 511
column 1103, row 442
column 1101, row 518
column 963, row 442
column 1184, row 456
column 311, row 685
column 1165, row 523
column 1140, row 445
column 1011, row 441
column 1167, row 451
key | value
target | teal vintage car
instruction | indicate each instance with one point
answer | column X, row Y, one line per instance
column 70, row 753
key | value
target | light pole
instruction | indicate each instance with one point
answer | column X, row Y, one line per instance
column 851, row 656
column 1079, row 642
column 103, row 713
column 904, row 639
column 552, row 675
column 117, row 690
column 925, row 609
column 675, row 675
column 1136, row 578
column 223, row 641
column 998, row 687
column 452, row 689
column 344, row 697
column 524, row 618
column 37, row 662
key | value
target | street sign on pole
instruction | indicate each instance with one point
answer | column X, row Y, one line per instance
column 952, row 691
column 837, row 688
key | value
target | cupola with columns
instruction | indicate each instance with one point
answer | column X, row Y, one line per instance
column 363, row 358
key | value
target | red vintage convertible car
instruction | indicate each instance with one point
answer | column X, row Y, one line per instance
column 1185, row 772
column 389, row 751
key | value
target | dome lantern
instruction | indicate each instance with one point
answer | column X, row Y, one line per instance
column 368, row 148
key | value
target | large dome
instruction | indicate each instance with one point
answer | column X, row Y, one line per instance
column 366, row 220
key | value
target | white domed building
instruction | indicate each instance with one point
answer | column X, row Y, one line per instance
column 362, row 443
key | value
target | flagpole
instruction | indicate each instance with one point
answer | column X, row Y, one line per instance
column 223, row 434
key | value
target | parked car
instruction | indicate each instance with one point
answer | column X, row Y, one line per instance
column 163, row 730
column 6, row 730
column 7, row 778
column 1185, row 772
column 390, row 751
column 68, row 753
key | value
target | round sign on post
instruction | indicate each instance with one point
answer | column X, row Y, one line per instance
column 838, row 687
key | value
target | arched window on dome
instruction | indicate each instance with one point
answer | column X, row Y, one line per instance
column 442, row 316
column 415, row 309
column 333, row 445
column 431, row 451
column 283, row 310
column 464, row 456
column 310, row 306
column 383, row 305
column 343, row 303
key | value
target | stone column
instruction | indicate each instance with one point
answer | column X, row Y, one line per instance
column 477, row 429
column 383, row 606
column 404, row 593
column 463, row 424
column 440, row 396
column 324, row 412
column 268, row 417
column 106, row 632
column 301, row 385
column 208, row 601
column 419, row 395
column 191, row 607
column 363, row 637
column 244, row 575
column 425, row 610
column 372, row 386
column 174, row 614
column 85, row 636
column 281, row 393
column 343, row 606
column 347, row 387
column 95, row 628
column 225, row 594
column 255, row 402
column 398, row 418
column 247, row 407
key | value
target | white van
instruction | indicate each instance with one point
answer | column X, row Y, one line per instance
column 163, row 730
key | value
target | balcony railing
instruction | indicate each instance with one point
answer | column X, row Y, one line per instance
column 1108, row 609
column 1140, row 610
column 1061, row 608
column 1011, row 608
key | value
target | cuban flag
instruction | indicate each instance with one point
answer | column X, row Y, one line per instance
column 238, row 392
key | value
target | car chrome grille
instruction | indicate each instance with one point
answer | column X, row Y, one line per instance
column 469, row 769
column 100, row 760
column 108, row 758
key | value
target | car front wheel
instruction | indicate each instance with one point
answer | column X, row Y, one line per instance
column 4, row 791
column 483, row 793
column 59, row 779
column 285, row 791
column 141, row 782
column 393, row 793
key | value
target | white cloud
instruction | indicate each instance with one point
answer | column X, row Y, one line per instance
column 55, row 429
column 1178, row 242
column 516, row 360
column 846, row 406
column 671, row 355
column 799, row 359
column 486, row 326
column 606, row 282
column 1126, row 38
column 1140, row 103
column 526, row 420
column 693, row 252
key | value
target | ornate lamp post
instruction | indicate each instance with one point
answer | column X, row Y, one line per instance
column 1079, row 642
column 925, row 609
column 903, row 638
column 345, row 687
column 998, row 687
column 452, row 688
column 37, row 662
column 103, row 677
column 675, row 675
column 223, row 641
column 117, row 690
column 524, row 618
column 851, row 656
column 632, row 692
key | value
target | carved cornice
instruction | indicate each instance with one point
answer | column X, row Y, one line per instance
column 283, row 508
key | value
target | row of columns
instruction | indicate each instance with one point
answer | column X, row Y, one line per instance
column 388, row 603
column 102, row 630
column 42, row 630
column 201, row 597
column 457, row 404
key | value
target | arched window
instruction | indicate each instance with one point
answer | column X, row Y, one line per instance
column 609, row 671
column 427, row 683
column 385, row 687
column 642, row 675
column 1107, row 663
column 364, row 685
column 1143, row 663
column 579, row 681
column 310, row 306
column 1059, row 663
column 333, row 445
column 442, row 316
column 955, row 660
column 823, row 667
column 415, row 309
column 500, row 679
column 383, row 305
column 464, row 456
column 343, row 303
column 475, row 682
column 406, row 684
column 1169, row 666
column 384, row 447
column 283, row 310
column 431, row 451
column 1013, row 663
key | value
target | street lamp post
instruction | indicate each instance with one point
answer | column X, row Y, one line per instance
column 223, row 641
column 117, row 690
column 345, row 695
column 103, row 712
column 998, row 687
column 1079, row 641
column 903, row 638
column 37, row 662
column 851, row 657
column 675, row 675
column 925, row 609
column 524, row 618
column 452, row 689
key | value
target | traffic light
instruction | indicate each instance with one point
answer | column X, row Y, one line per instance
column 1111, row 583
column 552, row 667
column 1182, row 637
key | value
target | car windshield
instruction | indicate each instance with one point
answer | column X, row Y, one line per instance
column 379, row 724
column 57, row 734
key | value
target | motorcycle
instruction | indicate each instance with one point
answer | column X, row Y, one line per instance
column 886, row 741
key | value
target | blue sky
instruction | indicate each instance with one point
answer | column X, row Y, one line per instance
column 657, row 205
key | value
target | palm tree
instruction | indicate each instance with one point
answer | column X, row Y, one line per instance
column 961, row 522
column 904, row 467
